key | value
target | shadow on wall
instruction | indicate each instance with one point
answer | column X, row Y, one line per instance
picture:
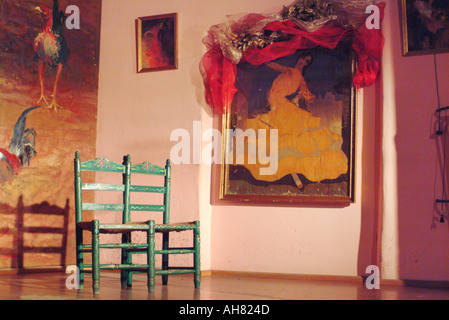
column 40, row 230
column 371, row 187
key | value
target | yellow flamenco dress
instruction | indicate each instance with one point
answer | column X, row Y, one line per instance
column 304, row 145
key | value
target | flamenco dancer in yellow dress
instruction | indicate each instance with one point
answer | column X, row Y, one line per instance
column 304, row 145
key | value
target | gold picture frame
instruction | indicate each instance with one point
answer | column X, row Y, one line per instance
column 425, row 27
column 157, row 43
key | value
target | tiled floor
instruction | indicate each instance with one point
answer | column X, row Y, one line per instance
column 52, row 286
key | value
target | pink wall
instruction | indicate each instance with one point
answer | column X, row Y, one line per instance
column 306, row 240
column 137, row 113
column 416, row 245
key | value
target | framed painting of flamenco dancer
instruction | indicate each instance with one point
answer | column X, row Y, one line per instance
column 290, row 131
column 156, row 38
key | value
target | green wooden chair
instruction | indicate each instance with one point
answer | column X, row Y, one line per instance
column 126, row 226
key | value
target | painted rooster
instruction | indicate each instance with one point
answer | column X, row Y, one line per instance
column 21, row 149
column 51, row 48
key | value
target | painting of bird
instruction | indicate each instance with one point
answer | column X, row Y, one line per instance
column 38, row 71
column 22, row 148
column 51, row 49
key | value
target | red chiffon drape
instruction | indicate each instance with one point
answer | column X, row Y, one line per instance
column 219, row 73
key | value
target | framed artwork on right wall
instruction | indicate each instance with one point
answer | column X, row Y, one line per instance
column 425, row 26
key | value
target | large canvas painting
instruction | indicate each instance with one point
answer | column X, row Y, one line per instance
column 306, row 103
column 49, row 60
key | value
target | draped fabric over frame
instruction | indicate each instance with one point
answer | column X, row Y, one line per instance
column 219, row 66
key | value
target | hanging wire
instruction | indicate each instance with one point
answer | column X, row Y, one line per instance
column 440, row 131
column 443, row 175
column 436, row 77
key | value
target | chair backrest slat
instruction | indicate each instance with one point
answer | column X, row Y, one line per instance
column 103, row 165
column 150, row 189
column 147, row 168
column 102, row 187
column 147, row 207
column 103, row 206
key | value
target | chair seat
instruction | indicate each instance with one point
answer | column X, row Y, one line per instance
column 137, row 226
column 115, row 228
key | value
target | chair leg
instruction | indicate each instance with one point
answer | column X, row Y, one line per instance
column 197, row 276
column 165, row 246
column 129, row 274
column 79, row 257
column 151, row 256
column 96, row 256
column 124, row 274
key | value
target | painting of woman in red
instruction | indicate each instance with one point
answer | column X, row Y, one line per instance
column 158, row 43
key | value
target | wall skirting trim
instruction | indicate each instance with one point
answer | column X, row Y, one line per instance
column 352, row 279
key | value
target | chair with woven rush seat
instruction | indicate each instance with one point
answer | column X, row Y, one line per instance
column 126, row 227
column 168, row 227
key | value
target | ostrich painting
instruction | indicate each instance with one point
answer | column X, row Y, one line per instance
column 51, row 48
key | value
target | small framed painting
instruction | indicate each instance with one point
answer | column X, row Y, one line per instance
column 425, row 26
column 157, row 43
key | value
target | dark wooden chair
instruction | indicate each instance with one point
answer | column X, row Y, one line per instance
column 126, row 227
